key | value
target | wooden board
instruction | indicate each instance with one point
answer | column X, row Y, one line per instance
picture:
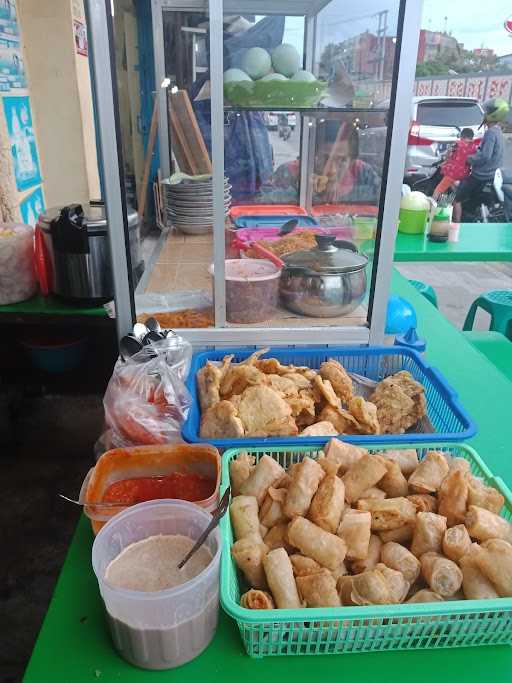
column 187, row 141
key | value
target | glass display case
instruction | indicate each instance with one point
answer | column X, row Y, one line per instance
column 285, row 110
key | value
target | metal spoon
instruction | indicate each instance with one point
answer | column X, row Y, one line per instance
column 140, row 331
column 216, row 517
column 153, row 325
column 288, row 227
column 82, row 503
column 129, row 346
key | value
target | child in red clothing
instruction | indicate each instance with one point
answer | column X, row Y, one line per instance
column 456, row 166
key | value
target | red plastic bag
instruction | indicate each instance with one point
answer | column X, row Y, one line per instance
column 146, row 401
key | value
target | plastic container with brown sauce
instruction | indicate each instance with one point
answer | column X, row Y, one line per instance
column 147, row 461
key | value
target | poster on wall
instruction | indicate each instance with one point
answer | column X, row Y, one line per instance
column 32, row 206
column 12, row 68
column 23, row 142
column 80, row 33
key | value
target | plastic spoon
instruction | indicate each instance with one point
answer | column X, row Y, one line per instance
column 216, row 517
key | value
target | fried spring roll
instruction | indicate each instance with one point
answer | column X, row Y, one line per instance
column 393, row 483
column 401, row 535
column 277, row 537
column 494, row 559
column 248, row 553
column 255, row 599
column 428, row 533
column 442, row 575
column 395, row 556
column 429, row 474
column 302, row 566
column 328, row 503
column 372, row 558
column 484, row 496
column 407, row 459
column 475, row 585
column 326, row 548
column 453, row 497
column 390, row 513
column 370, row 588
column 398, row 586
column 343, row 454
column 244, row 516
column 266, row 473
column 355, row 530
column 279, row 573
column 373, row 492
column 306, row 477
column 318, row 590
column 456, row 542
column 271, row 511
column 345, row 585
column 366, row 472
column 424, row 502
column 239, row 470
column 483, row 525
column 425, row 595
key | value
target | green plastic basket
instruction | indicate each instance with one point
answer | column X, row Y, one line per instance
column 343, row 630
column 274, row 93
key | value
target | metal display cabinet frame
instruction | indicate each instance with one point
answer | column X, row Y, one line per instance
column 409, row 16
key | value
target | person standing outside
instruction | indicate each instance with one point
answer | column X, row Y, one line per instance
column 487, row 159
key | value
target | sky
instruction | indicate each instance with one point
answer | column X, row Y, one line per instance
column 472, row 22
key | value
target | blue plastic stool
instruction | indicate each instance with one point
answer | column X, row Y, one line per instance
column 426, row 290
column 498, row 303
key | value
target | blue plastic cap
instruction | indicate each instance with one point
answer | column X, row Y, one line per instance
column 411, row 340
column 400, row 316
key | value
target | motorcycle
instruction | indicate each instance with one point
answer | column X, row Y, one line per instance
column 487, row 206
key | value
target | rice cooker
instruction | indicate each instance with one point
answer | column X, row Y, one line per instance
column 77, row 252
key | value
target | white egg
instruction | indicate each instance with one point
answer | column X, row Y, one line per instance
column 256, row 62
column 286, row 59
column 303, row 75
column 234, row 75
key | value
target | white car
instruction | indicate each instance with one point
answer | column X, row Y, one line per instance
column 436, row 124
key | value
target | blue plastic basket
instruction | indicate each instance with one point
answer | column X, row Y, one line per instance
column 447, row 416
column 273, row 221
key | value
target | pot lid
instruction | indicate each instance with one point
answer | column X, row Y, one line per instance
column 329, row 256
column 94, row 216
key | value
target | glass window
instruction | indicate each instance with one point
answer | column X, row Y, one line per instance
column 458, row 114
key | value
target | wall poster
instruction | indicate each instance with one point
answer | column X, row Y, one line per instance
column 23, row 142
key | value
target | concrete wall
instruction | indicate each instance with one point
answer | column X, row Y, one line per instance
column 60, row 92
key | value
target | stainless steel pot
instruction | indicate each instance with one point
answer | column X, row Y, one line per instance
column 326, row 282
column 76, row 242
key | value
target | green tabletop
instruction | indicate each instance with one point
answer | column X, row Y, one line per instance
column 74, row 645
column 50, row 305
column 477, row 242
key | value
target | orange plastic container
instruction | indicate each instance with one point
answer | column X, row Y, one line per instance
column 266, row 209
column 146, row 461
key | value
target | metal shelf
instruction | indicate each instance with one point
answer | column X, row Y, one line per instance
column 311, row 110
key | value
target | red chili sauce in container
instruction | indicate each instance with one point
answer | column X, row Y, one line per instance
column 134, row 475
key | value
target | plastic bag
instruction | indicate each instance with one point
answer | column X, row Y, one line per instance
column 17, row 275
column 146, row 401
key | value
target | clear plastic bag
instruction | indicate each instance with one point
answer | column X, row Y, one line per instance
column 146, row 401
column 17, row 275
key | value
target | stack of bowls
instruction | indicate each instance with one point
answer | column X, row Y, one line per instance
column 189, row 203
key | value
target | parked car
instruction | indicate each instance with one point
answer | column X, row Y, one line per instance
column 436, row 124
column 272, row 119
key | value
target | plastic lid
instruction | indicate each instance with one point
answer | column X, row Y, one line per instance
column 329, row 256
column 411, row 340
column 249, row 270
column 94, row 216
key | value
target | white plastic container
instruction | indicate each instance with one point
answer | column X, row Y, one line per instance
column 163, row 629
column 17, row 274
column 252, row 290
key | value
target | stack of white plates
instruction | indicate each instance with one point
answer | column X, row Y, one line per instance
column 189, row 203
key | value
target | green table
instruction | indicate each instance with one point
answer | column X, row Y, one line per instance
column 74, row 645
column 477, row 242
column 51, row 309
